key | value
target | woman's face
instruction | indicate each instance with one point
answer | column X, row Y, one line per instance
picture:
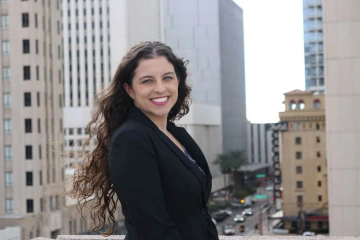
column 154, row 87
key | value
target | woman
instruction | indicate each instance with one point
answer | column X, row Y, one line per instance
column 156, row 169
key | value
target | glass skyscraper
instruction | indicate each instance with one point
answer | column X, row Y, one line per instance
column 313, row 46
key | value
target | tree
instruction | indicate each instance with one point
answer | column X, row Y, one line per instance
column 231, row 161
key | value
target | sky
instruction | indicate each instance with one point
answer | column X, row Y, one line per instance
column 274, row 55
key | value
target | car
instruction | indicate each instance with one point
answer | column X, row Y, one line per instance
column 247, row 212
column 239, row 218
column 220, row 216
column 228, row 229
column 308, row 234
column 226, row 211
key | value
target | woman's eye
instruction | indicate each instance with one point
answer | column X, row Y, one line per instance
column 147, row 81
column 168, row 78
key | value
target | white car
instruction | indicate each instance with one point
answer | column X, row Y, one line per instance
column 308, row 234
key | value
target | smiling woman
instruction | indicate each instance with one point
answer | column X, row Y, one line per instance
column 142, row 159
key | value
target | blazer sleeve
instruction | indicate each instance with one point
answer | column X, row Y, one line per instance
column 136, row 178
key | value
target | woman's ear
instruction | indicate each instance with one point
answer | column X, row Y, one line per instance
column 129, row 90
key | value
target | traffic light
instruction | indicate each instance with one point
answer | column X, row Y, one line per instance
column 242, row 228
column 242, row 201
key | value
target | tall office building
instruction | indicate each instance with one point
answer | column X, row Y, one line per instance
column 313, row 46
column 209, row 33
column 259, row 144
column 342, row 62
column 96, row 35
column 31, row 116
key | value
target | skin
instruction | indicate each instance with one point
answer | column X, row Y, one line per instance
column 155, row 78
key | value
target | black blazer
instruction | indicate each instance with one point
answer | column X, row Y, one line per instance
column 163, row 194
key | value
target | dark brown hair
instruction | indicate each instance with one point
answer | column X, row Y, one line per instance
column 91, row 180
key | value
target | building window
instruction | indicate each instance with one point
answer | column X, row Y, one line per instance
column 36, row 20
column 292, row 105
column 28, row 152
column 319, row 198
column 8, row 179
column 71, row 131
column 297, row 126
column 37, row 46
column 319, row 168
column 40, row 178
column 298, row 140
column 298, row 155
column 317, row 126
column 8, row 153
column 316, row 104
column 300, row 199
column 39, row 125
column 51, row 203
column 318, row 154
column 9, row 205
column 27, row 73
column 319, row 184
column 29, row 178
column 6, row 73
column 29, row 205
column 5, row 48
column 28, row 125
column 57, row 205
column 27, row 99
column 299, row 169
column 4, row 22
column 7, row 100
column 25, row 20
column 301, row 105
column 41, row 205
column 317, row 139
column 38, row 99
column 7, row 126
column 79, row 131
column 26, row 46
column 299, row 184
column 40, row 152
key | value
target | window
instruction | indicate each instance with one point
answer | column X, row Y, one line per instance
column 4, row 1
column 5, row 48
column 29, row 205
column 28, row 125
column 56, row 202
column 79, row 131
column 299, row 184
column 40, row 152
column 298, row 155
column 300, row 199
column 8, row 153
column 301, row 104
column 4, row 22
column 37, row 46
column 51, row 203
column 38, row 99
column 37, row 73
column 36, row 20
column 27, row 73
column 9, row 205
column 26, row 46
column 39, row 125
column 319, row 184
column 28, row 152
column 299, row 169
column 318, row 154
column 8, row 179
column 41, row 205
column 317, row 126
column 7, row 100
column 292, row 105
column 71, row 131
column 29, row 178
column 316, row 104
column 317, row 139
column 25, row 20
column 319, row 198
column 40, row 178
column 7, row 126
column 6, row 73
column 319, row 168
column 27, row 99
column 297, row 126
column 298, row 140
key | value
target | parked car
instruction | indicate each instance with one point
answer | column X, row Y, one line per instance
column 247, row 212
column 308, row 234
column 239, row 218
column 228, row 229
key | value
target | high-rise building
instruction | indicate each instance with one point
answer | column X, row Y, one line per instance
column 313, row 46
column 209, row 33
column 31, row 117
column 96, row 35
column 259, row 144
column 303, row 163
column 342, row 62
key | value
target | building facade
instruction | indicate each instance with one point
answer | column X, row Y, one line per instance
column 259, row 144
column 342, row 62
column 303, row 163
column 313, row 46
column 32, row 117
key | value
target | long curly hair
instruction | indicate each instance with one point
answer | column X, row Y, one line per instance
column 91, row 182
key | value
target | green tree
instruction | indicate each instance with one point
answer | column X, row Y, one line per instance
column 230, row 162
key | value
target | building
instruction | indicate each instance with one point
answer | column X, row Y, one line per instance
column 209, row 33
column 10, row 233
column 259, row 144
column 96, row 35
column 313, row 45
column 31, row 115
column 303, row 162
column 342, row 64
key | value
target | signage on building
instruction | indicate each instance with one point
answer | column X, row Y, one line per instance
column 276, row 128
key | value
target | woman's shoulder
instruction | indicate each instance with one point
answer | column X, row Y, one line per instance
column 130, row 130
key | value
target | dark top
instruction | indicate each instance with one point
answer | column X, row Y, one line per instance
column 163, row 194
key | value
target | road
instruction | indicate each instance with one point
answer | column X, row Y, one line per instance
column 249, row 223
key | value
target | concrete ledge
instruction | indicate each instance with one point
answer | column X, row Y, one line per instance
column 122, row 237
